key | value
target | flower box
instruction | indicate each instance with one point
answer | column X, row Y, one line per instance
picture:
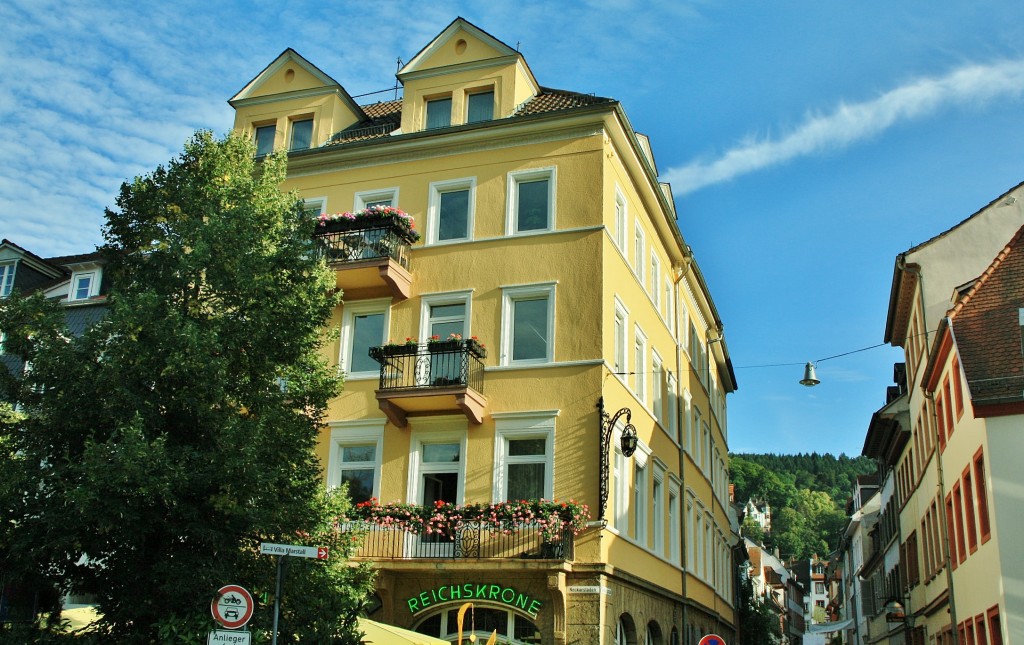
column 377, row 353
column 387, row 217
column 438, row 346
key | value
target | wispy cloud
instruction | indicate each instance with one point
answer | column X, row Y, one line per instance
column 852, row 122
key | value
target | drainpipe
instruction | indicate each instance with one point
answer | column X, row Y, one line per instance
column 683, row 546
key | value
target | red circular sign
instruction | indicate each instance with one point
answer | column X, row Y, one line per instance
column 712, row 639
column 232, row 606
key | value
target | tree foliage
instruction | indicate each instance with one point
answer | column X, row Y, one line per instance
column 758, row 623
column 806, row 493
column 157, row 450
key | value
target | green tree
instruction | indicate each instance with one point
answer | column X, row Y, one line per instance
column 158, row 449
column 758, row 623
column 810, row 526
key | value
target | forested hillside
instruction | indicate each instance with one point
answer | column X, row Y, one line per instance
column 807, row 494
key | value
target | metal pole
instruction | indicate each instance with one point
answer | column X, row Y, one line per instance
column 277, row 597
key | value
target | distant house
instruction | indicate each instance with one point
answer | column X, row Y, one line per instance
column 760, row 512
column 77, row 282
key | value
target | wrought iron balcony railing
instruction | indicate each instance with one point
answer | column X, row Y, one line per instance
column 469, row 541
column 356, row 244
column 444, row 364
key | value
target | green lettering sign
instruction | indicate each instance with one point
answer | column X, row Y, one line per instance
column 507, row 596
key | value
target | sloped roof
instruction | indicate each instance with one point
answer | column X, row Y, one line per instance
column 987, row 326
column 384, row 118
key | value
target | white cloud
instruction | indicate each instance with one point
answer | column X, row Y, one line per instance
column 852, row 122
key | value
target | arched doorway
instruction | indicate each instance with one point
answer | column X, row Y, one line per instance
column 513, row 627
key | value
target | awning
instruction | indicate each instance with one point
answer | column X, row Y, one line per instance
column 828, row 628
column 380, row 633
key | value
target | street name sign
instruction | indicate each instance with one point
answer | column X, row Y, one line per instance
column 220, row 636
column 318, row 552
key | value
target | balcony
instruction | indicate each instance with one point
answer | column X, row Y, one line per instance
column 432, row 379
column 370, row 257
column 469, row 541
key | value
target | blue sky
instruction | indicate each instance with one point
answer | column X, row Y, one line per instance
column 807, row 142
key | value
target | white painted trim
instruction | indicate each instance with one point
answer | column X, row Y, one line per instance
column 512, row 198
column 526, row 425
column 359, row 431
column 434, row 208
column 512, row 294
column 364, row 196
column 359, row 307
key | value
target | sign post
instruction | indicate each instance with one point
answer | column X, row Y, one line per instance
column 282, row 551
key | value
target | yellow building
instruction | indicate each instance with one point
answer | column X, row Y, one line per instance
column 545, row 243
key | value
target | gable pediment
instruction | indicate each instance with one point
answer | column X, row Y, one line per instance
column 291, row 75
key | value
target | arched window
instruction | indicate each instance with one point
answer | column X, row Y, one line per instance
column 513, row 628
column 673, row 638
column 654, row 634
column 625, row 631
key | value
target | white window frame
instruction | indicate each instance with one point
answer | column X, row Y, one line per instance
column 512, row 203
column 447, row 298
column 658, row 507
column 640, row 494
column 94, row 276
column 523, row 425
column 622, row 479
column 351, row 310
column 620, row 331
column 429, row 431
column 7, row 272
column 354, row 433
column 674, row 501
column 658, row 388
column 672, row 409
column 670, row 307
column 655, row 286
column 639, row 244
column 319, row 203
column 434, row 208
column 691, row 545
column 509, row 296
column 621, row 220
column 640, row 364
column 364, row 197
column 688, row 422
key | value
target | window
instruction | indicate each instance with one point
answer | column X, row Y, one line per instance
column 6, row 279
column 265, row 138
column 690, row 545
column 437, row 468
column 442, row 315
column 480, row 107
column 302, row 134
column 451, row 210
column 314, row 206
column 620, row 221
column 439, row 113
column 640, row 365
column 969, row 511
column 640, row 503
column 382, row 197
column 620, row 366
column 658, row 388
column 673, row 522
column 655, row 281
column 524, row 454
column 621, row 487
column 364, row 325
column 528, row 324
column 958, row 520
column 531, row 206
column 355, row 457
column 658, row 509
column 948, row 404
column 670, row 306
column 638, row 253
column 83, row 286
column 981, row 496
column 979, row 627
column 995, row 627
column 958, row 391
column 672, row 410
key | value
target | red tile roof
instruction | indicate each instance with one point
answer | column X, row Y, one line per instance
column 987, row 328
column 386, row 117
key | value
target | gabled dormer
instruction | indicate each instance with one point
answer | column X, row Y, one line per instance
column 294, row 105
column 23, row 270
column 464, row 75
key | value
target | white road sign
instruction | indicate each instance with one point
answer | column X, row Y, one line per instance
column 223, row 637
column 318, row 552
column 232, row 607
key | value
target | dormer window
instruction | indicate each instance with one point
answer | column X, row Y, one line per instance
column 265, row 135
column 6, row 279
column 302, row 134
column 480, row 107
column 84, row 285
column 439, row 113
